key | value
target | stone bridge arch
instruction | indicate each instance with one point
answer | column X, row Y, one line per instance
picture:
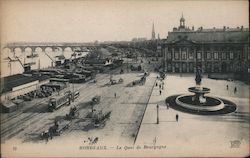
column 17, row 51
column 38, row 49
column 68, row 49
column 6, row 53
column 48, row 49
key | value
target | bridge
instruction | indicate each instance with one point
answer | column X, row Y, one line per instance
column 26, row 52
column 43, row 46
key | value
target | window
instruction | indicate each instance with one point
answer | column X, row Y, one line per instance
column 219, row 55
column 224, row 55
column 169, row 55
column 191, row 67
column 191, row 56
column 231, row 55
column 176, row 55
column 169, row 67
column 199, row 55
column 216, row 55
column 184, row 55
column 208, row 55
column 239, row 54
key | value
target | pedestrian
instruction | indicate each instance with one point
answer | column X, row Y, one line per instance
column 227, row 87
column 160, row 92
column 235, row 90
column 167, row 105
column 156, row 84
column 115, row 95
column 51, row 133
column 160, row 86
column 177, row 117
column 47, row 138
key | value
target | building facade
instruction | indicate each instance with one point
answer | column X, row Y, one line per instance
column 222, row 50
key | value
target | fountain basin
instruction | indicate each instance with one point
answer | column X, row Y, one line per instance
column 199, row 90
column 211, row 104
column 229, row 107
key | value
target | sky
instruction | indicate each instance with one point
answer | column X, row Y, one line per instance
column 87, row 21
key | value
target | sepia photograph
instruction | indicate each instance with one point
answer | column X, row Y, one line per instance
column 124, row 78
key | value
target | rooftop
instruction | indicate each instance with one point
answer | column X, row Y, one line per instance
column 210, row 35
column 9, row 82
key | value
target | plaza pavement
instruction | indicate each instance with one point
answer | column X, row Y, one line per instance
column 196, row 135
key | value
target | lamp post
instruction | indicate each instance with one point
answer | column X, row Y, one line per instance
column 157, row 109
column 72, row 95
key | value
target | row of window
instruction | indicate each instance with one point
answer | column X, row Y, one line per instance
column 207, row 55
column 199, row 49
column 208, row 67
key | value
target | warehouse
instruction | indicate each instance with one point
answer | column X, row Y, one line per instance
column 20, row 84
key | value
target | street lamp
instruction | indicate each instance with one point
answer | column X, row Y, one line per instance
column 73, row 93
column 157, row 109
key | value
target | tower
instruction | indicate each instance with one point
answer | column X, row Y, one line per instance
column 182, row 22
column 153, row 32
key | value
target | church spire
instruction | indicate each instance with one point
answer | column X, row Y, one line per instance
column 153, row 32
column 182, row 21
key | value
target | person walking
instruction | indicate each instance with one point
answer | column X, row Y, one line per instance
column 235, row 89
column 227, row 87
column 160, row 92
column 176, row 117
column 167, row 105
column 115, row 95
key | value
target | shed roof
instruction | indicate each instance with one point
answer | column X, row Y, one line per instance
column 9, row 82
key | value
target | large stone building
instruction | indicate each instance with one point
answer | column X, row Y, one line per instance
column 214, row 50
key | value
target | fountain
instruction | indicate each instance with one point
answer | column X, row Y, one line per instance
column 199, row 102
